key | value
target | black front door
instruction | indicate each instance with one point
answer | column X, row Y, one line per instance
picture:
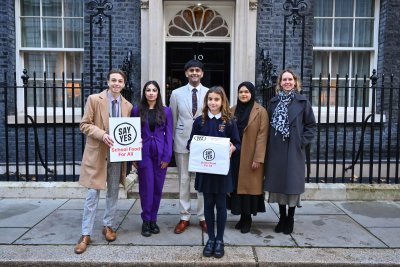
column 216, row 59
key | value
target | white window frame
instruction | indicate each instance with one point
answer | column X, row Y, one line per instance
column 40, row 111
column 373, row 65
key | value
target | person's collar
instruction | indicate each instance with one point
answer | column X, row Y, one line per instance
column 217, row 116
column 111, row 97
column 191, row 87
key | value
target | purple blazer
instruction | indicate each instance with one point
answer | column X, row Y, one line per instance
column 162, row 135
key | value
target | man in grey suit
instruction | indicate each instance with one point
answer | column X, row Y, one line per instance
column 186, row 104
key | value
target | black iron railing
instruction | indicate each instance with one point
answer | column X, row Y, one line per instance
column 358, row 137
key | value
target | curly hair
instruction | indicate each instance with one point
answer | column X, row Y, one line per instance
column 226, row 115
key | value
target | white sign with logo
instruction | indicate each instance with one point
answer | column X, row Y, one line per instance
column 127, row 139
column 209, row 154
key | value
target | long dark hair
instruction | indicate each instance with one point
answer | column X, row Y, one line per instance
column 144, row 105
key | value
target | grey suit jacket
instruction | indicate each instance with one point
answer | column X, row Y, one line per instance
column 181, row 106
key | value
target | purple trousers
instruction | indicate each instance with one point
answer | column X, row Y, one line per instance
column 151, row 182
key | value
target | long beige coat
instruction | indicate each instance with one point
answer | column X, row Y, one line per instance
column 94, row 125
column 253, row 147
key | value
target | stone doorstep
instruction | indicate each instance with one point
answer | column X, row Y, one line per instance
column 332, row 192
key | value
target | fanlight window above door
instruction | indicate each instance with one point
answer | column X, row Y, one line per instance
column 198, row 21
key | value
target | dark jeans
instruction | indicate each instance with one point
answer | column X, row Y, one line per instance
column 219, row 201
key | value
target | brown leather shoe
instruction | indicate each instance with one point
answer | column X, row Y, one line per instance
column 181, row 226
column 82, row 244
column 109, row 234
column 203, row 226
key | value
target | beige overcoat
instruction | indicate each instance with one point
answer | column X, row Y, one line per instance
column 94, row 124
column 253, row 147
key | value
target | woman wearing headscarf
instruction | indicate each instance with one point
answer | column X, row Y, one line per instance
column 292, row 128
column 248, row 166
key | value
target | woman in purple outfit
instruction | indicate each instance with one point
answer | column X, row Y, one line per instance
column 156, row 132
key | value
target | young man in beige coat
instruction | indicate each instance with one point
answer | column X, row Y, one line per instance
column 96, row 171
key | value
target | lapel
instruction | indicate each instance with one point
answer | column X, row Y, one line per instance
column 295, row 107
column 201, row 95
column 104, row 112
column 253, row 114
column 124, row 107
column 188, row 99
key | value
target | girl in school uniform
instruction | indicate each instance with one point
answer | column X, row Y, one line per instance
column 216, row 121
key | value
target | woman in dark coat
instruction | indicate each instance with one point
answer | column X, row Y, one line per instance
column 293, row 127
column 248, row 166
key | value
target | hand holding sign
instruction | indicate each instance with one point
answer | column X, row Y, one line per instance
column 108, row 140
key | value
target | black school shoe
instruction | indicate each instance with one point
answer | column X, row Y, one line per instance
column 208, row 250
column 146, row 229
column 219, row 249
column 154, row 229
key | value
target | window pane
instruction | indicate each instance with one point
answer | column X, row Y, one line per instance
column 30, row 8
column 30, row 31
column 343, row 32
column 33, row 62
column 73, row 94
column 344, row 8
column 52, row 34
column 31, row 93
column 54, row 63
column 73, row 30
column 319, row 94
column 54, row 93
column 365, row 8
column 340, row 63
column 364, row 33
column 51, row 8
column 323, row 32
column 360, row 94
column 74, row 64
column 321, row 63
column 73, row 8
column 323, row 8
column 361, row 63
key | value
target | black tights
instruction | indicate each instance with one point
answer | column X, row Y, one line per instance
column 218, row 201
column 282, row 211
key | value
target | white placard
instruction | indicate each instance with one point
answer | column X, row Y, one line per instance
column 127, row 139
column 209, row 154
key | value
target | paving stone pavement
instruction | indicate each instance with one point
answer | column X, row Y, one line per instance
column 46, row 224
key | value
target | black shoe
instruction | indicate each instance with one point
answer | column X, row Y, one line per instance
column 239, row 224
column 246, row 225
column 288, row 226
column 146, row 229
column 219, row 249
column 208, row 250
column 154, row 229
column 281, row 225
